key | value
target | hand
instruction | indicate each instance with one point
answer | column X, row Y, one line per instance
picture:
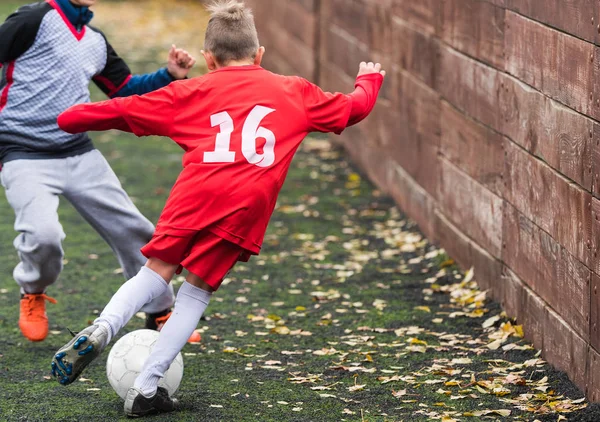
column 368, row 68
column 180, row 62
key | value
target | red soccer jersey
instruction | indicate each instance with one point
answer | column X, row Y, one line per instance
column 239, row 127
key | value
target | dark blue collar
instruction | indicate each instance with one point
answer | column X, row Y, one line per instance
column 77, row 15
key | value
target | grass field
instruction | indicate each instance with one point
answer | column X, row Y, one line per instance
column 349, row 314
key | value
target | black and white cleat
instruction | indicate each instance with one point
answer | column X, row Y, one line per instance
column 71, row 359
column 136, row 404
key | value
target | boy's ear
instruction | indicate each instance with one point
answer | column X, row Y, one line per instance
column 259, row 56
column 211, row 63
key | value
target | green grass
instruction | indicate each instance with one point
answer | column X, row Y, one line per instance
column 329, row 222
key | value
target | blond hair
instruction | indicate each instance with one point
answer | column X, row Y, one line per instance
column 231, row 34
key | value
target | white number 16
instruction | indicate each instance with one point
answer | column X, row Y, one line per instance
column 251, row 131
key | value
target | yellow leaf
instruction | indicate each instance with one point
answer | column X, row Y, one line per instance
column 353, row 177
column 423, row 308
column 447, row 263
column 519, row 331
column 282, row 329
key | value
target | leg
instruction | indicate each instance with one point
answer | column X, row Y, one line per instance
column 151, row 282
column 209, row 261
column 97, row 194
column 145, row 397
column 71, row 359
column 32, row 189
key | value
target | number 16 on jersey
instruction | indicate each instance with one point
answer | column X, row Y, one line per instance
column 251, row 131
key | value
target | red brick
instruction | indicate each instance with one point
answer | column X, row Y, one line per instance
column 343, row 50
column 413, row 199
column 523, row 304
column 595, row 312
column 476, row 28
column 476, row 211
column 416, row 52
column 577, row 17
column 559, row 65
column 476, row 149
column 556, row 134
column 349, row 15
column 468, row 254
column 302, row 61
column 593, row 376
column 559, row 207
column 512, row 294
column 564, row 349
column 333, row 80
column 308, row 5
column 470, row 86
column 548, row 269
column 423, row 13
column 300, row 23
column 421, row 106
column 417, row 156
column 595, row 240
column 379, row 19
column 595, row 147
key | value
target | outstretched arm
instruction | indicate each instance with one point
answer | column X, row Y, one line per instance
column 150, row 114
column 327, row 112
column 116, row 80
column 178, row 66
column 101, row 116
column 368, row 82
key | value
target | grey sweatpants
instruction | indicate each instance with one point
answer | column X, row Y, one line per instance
column 87, row 181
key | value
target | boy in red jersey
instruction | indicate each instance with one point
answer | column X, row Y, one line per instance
column 240, row 126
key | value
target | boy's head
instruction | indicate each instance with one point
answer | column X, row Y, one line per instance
column 231, row 37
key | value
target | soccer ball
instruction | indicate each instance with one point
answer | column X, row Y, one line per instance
column 126, row 360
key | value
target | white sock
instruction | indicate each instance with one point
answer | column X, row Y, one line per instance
column 190, row 304
column 130, row 298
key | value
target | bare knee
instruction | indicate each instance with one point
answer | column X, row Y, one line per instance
column 162, row 268
column 194, row 280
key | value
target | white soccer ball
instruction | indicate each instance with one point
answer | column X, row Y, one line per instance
column 127, row 357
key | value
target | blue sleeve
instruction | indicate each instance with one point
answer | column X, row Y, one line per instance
column 143, row 84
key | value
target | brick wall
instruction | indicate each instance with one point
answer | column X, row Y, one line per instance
column 486, row 133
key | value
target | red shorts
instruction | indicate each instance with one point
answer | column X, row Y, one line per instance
column 204, row 254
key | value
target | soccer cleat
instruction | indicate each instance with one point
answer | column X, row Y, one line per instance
column 136, row 404
column 33, row 320
column 158, row 320
column 71, row 359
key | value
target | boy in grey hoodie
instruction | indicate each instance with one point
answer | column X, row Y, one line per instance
column 48, row 56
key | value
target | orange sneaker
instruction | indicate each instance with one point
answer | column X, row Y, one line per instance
column 33, row 321
column 157, row 321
